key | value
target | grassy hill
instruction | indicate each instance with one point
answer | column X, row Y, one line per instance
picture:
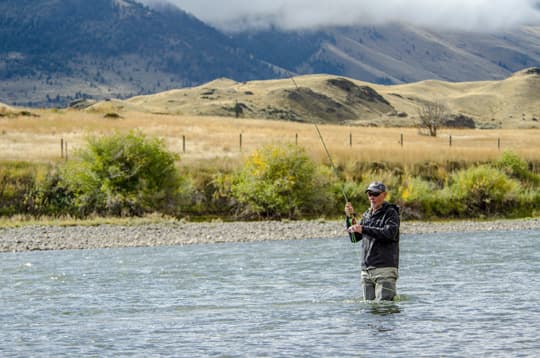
column 509, row 103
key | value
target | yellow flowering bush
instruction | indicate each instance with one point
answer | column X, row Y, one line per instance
column 282, row 181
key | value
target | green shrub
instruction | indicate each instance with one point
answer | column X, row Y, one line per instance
column 282, row 181
column 50, row 196
column 133, row 175
column 528, row 204
column 512, row 165
column 16, row 182
column 418, row 198
column 482, row 191
column 210, row 194
column 124, row 175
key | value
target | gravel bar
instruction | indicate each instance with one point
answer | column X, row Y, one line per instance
column 42, row 237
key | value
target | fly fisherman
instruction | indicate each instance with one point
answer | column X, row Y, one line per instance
column 378, row 230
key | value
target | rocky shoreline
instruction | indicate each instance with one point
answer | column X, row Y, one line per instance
column 37, row 237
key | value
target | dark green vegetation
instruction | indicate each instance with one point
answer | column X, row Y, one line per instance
column 124, row 46
column 132, row 175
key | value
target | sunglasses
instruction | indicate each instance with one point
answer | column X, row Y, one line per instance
column 370, row 193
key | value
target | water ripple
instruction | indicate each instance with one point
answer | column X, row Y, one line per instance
column 458, row 296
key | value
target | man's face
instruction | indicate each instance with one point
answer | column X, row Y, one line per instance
column 376, row 199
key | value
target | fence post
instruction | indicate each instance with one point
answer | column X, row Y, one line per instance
column 240, row 141
column 61, row 147
column 401, row 140
column 450, row 140
column 183, row 144
column 499, row 143
column 296, row 139
column 350, row 139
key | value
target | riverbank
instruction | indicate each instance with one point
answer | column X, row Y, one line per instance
column 41, row 237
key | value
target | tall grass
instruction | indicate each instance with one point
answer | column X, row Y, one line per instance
column 217, row 139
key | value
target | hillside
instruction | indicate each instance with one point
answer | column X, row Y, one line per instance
column 55, row 51
column 509, row 103
column 398, row 53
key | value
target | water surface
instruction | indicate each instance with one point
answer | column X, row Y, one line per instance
column 460, row 295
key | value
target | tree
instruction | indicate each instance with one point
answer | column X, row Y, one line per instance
column 432, row 115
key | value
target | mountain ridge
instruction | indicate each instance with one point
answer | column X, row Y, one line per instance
column 401, row 53
column 53, row 52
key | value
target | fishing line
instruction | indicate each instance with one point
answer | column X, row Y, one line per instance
column 350, row 220
column 332, row 165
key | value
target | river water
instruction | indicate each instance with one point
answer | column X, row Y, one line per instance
column 460, row 295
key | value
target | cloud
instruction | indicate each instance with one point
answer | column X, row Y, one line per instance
column 469, row 15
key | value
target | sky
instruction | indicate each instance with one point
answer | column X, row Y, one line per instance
column 468, row 15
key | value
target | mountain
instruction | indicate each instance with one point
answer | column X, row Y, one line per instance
column 54, row 51
column 508, row 103
column 398, row 53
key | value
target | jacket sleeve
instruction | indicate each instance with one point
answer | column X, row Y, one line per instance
column 354, row 236
column 388, row 231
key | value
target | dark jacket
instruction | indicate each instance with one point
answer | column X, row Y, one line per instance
column 380, row 237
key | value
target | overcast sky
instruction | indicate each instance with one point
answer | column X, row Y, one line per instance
column 475, row 15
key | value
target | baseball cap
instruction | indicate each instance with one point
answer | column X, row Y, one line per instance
column 376, row 187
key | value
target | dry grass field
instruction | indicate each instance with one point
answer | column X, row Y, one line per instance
column 198, row 123
column 215, row 141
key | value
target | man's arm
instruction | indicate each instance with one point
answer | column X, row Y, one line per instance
column 389, row 230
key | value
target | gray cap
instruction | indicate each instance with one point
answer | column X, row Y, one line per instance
column 376, row 187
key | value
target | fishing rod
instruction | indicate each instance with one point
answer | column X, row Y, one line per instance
column 332, row 165
column 352, row 219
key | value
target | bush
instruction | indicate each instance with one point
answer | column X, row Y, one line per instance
column 483, row 190
column 16, row 181
column 512, row 165
column 282, row 181
column 124, row 175
column 50, row 196
column 418, row 198
column 528, row 204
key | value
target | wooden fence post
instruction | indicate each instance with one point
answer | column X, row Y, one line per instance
column 350, row 139
column 240, row 141
column 61, row 147
column 183, row 144
column 450, row 140
column 401, row 140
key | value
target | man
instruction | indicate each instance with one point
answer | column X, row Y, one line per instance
column 379, row 232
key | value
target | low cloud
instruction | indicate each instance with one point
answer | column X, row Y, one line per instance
column 469, row 15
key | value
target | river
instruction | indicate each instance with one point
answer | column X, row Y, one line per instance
column 460, row 295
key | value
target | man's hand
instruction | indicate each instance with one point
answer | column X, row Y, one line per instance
column 349, row 210
column 355, row 228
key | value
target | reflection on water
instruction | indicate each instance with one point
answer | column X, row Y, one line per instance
column 384, row 309
column 459, row 295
